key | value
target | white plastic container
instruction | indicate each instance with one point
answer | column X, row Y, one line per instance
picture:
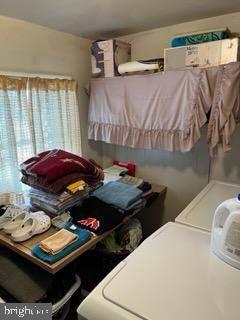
column 225, row 239
column 225, row 208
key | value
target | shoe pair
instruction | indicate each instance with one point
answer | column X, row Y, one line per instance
column 23, row 225
column 7, row 212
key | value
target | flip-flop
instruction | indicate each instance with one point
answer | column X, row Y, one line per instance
column 33, row 225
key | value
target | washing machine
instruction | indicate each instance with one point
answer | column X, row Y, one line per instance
column 172, row 275
column 199, row 213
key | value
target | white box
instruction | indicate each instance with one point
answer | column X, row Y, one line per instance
column 203, row 55
column 107, row 55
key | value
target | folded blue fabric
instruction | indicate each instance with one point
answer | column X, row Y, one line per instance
column 83, row 237
column 118, row 194
column 199, row 38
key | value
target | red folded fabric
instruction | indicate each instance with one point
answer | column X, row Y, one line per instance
column 58, row 186
column 55, row 164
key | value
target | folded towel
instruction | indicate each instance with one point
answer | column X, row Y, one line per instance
column 83, row 237
column 118, row 194
column 58, row 241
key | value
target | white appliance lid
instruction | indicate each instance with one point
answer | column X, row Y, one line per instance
column 200, row 212
column 173, row 275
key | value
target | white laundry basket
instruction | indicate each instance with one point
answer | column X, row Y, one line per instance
column 66, row 298
column 11, row 198
column 63, row 305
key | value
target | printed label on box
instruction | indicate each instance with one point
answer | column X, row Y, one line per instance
column 192, row 56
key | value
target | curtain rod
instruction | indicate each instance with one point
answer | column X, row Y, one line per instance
column 33, row 75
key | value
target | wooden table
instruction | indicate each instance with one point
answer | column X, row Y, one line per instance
column 25, row 248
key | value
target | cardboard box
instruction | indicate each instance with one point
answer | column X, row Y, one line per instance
column 202, row 55
column 107, row 55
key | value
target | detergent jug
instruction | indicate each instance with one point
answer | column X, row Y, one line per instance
column 225, row 237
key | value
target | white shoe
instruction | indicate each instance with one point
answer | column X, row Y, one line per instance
column 36, row 223
column 15, row 222
column 10, row 212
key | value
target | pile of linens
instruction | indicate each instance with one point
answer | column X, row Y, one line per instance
column 73, row 190
column 59, row 179
column 111, row 203
column 61, row 243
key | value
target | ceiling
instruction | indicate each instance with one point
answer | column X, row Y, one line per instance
column 97, row 19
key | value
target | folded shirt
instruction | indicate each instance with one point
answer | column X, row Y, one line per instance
column 83, row 237
column 55, row 210
column 96, row 216
column 132, row 181
column 118, row 194
column 55, row 200
column 58, row 241
column 115, row 170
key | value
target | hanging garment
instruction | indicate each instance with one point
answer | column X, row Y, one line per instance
column 225, row 110
column 164, row 110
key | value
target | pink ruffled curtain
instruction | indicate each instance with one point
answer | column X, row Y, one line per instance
column 166, row 110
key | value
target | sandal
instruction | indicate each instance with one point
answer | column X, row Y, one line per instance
column 36, row 223
column 10, row 211
column 15, row 222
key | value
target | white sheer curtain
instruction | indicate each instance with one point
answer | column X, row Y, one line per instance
column 35, row 115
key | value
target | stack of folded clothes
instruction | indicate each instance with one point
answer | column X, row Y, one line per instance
column 114, row 173
column 108, row 205
column 96, row 216
column 54, row 203
column 52, row 171
column 120, row 195
column 61, row 243
column 59, row 179
column 147, row 192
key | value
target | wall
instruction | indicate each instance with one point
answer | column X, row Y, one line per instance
column 27, row 47
column 151, row 44
column 185, row 174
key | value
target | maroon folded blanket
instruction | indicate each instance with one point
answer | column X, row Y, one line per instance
column 52, row 165
column 56, row 187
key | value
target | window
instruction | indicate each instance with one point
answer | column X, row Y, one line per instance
column 35, row 115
